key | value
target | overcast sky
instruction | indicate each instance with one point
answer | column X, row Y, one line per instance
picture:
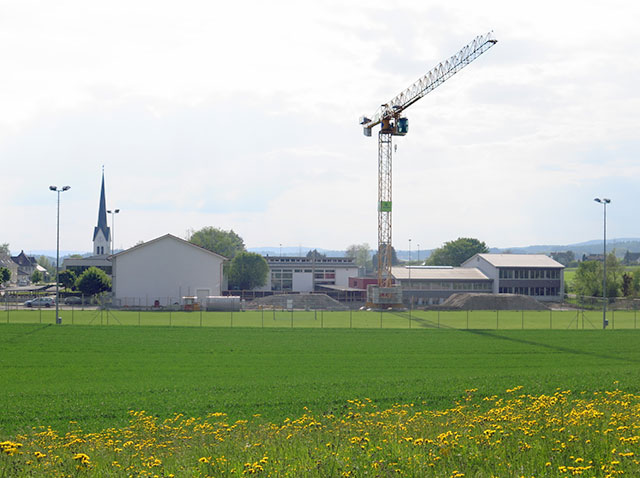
column 244, row 115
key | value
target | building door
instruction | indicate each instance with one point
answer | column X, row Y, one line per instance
column 202, row 295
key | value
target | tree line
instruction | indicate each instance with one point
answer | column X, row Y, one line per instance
column 621, row 282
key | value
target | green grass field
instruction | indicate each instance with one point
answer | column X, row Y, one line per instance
column 417, row 319
column 93, row 375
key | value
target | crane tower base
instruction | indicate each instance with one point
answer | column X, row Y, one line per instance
column 384, row 297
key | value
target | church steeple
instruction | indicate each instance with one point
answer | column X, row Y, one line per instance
column 102, row 233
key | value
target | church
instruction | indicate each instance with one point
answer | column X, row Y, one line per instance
column 101, row 249
column 156, row 273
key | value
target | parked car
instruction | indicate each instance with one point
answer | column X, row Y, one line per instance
column 73, row 300
column 40, row 302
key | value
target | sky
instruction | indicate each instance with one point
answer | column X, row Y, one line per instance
column 244, row 115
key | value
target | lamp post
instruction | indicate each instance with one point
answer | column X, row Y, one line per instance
column 418, row 254
column 604, row 202
column 58, row 190
column 113, row 242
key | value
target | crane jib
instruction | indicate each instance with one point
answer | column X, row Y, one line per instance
column 431, row 80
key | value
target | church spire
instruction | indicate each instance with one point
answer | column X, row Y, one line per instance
column 100, row 240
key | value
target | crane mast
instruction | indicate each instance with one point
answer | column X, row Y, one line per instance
column 392, row 123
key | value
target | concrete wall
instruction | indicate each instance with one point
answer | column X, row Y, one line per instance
column 164, row 269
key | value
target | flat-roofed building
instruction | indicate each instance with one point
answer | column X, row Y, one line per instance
column 429, row 285
column 535, row 275
column 306, row 274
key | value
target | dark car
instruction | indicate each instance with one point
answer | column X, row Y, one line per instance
column 73, row 300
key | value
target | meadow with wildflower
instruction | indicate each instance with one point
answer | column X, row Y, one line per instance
column 160, row 401
column 553, row 435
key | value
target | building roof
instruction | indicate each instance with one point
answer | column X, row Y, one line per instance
column 166, row 236
column 514, row 260
column 102, row 216
column 24, row 260
column 438, row 273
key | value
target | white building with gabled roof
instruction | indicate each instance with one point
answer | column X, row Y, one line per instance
column 536, row 275
column 162, row 271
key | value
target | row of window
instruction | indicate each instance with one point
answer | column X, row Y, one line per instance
column 324, row 260
column 529, row 273
column 288, row 273
column 536, row 291
column 282, row 279
column 421, row 285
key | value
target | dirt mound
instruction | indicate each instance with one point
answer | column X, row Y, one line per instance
column 466, row 301
column 299, row 301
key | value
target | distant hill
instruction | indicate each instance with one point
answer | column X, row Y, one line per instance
column 621, row 246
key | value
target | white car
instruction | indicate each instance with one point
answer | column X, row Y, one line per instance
column 40, row 302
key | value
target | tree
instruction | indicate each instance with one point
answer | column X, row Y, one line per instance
column 36, row 277
column 67, row 279
column 588, row 278
column 93, row 281
column 635, row 284
column 454, row 253
column 4, row 249
column 314, row 254
column 394, row 259
column 248, row 271
column 627, row 284
column 45, row 262
column 5, row 275
column 361, row 255
column 225, row 243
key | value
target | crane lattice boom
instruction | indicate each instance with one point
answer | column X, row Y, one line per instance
column 430, row 81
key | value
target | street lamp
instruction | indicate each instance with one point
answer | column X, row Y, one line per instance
column 604, row 202
column 113, row 242
column 58, row 190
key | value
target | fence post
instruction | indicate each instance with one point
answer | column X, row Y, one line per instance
column 292, row 317
column 138, row 315
column 635, row 315
column 550, row 319
column 200, row 316
column 322, row 319
column 467, row 319
column 262, row 315
column 613, row 319
column 497, row 319
column 350, row 318
column 380, row 318
column 438, row 318
column 232, row 319
column 522, row 319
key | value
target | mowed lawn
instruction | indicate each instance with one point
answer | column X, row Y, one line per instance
column 93, row 375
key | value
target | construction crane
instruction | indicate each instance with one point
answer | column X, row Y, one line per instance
column 389, row 116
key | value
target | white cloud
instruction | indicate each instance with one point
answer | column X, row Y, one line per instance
column 244, row 115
